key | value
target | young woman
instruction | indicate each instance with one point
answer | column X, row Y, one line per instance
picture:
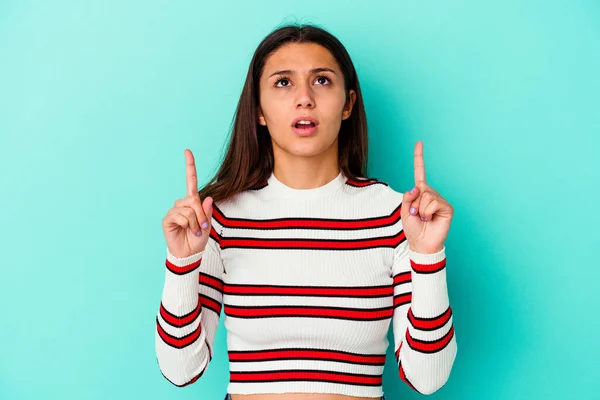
column 309, row 260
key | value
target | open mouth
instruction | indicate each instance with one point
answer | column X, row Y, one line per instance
column 305, row 126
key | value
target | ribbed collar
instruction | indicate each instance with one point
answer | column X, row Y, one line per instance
column 278, row 189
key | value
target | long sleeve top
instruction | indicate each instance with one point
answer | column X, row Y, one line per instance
column 309, row 281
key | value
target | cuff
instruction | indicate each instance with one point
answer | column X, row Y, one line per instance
column 429, row 286
column 183, row 261
column 177, row 266
column 424, row 259
column 180, row 291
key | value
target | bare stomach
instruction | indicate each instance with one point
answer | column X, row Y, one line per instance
column 298, row 396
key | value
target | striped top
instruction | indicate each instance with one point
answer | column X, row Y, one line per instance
column 309, row 281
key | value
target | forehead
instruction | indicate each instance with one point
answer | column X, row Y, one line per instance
column 299, row 57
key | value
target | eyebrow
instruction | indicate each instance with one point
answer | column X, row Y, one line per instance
column 291, row 72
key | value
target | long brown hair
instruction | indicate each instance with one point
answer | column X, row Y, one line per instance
column 249, row 161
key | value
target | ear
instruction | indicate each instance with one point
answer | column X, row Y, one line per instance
column 349, row 104
column 261, row 118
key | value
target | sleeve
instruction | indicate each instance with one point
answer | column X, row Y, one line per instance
column 425, row 344
column 189, row 313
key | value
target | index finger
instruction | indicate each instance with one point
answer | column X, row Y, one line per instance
column 190, row 174
column 419, row 163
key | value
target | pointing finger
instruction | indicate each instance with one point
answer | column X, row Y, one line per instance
column 190, row 174
column 419, row 163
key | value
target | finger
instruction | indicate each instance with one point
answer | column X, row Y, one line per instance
column 407, row 200
column 430, row 209
column 175, row 218
column 190, row 174
column 207, row 206
column 423, row 188
column 190, row 215
column 194, row 224
column 419, row 163
column 426, row 199
column 194, row 203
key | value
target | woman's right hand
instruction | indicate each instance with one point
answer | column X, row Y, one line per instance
column 186, row 218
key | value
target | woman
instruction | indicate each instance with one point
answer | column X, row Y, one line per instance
column 310, row 261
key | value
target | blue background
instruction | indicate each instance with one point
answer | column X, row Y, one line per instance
column 98, row 101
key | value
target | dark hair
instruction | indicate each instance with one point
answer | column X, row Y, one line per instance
column 249, row 162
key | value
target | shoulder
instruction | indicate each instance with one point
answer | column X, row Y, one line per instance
column 238, row 206
column 373, row 190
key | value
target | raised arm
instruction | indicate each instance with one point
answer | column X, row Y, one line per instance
column 425, row 342
column 192, row 295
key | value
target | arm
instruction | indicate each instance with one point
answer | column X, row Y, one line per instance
column 425, row 344
column 188, row 316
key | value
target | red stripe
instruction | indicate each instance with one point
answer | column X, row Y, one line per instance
column 429, row 323
column 208, row 302
column 305, row 376
column 430, row 346
column 428, row 268
column 403, row 277
column 359, row 183
column 405, row 379
column 312, row 354
column 402, row 299
column 307, row 223
column 183, row 269
column 175, row 341
column 195, row 378
column 291, row 311
column 205, row 279
column 177, row 321
column 401, row 370
column 307, row 290
column 392, row 241
column 363, row 183
column 213, row 234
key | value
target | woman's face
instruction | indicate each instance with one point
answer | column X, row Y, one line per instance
column 303, row 79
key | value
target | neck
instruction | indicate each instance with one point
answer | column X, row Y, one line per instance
column 306, row 172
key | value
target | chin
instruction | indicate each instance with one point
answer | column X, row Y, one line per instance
column 305, row 146
column 303, row 152
column 307, row 149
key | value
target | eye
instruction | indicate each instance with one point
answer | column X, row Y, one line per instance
column 324, row 77
column 282, row 79
column 286, row 79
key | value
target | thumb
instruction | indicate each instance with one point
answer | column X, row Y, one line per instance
column 207, row 207
column 407, row 200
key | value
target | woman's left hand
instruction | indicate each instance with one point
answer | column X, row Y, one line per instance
column 426, row 215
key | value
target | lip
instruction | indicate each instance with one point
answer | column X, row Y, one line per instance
column 304, row 131
column 306, row 118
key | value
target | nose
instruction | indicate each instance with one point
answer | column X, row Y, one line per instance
column 304, row 98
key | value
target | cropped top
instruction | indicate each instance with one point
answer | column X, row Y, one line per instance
column 309, row 281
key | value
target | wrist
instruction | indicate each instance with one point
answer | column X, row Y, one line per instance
column 425, row 250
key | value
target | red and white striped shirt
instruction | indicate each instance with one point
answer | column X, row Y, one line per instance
column 309, row 281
